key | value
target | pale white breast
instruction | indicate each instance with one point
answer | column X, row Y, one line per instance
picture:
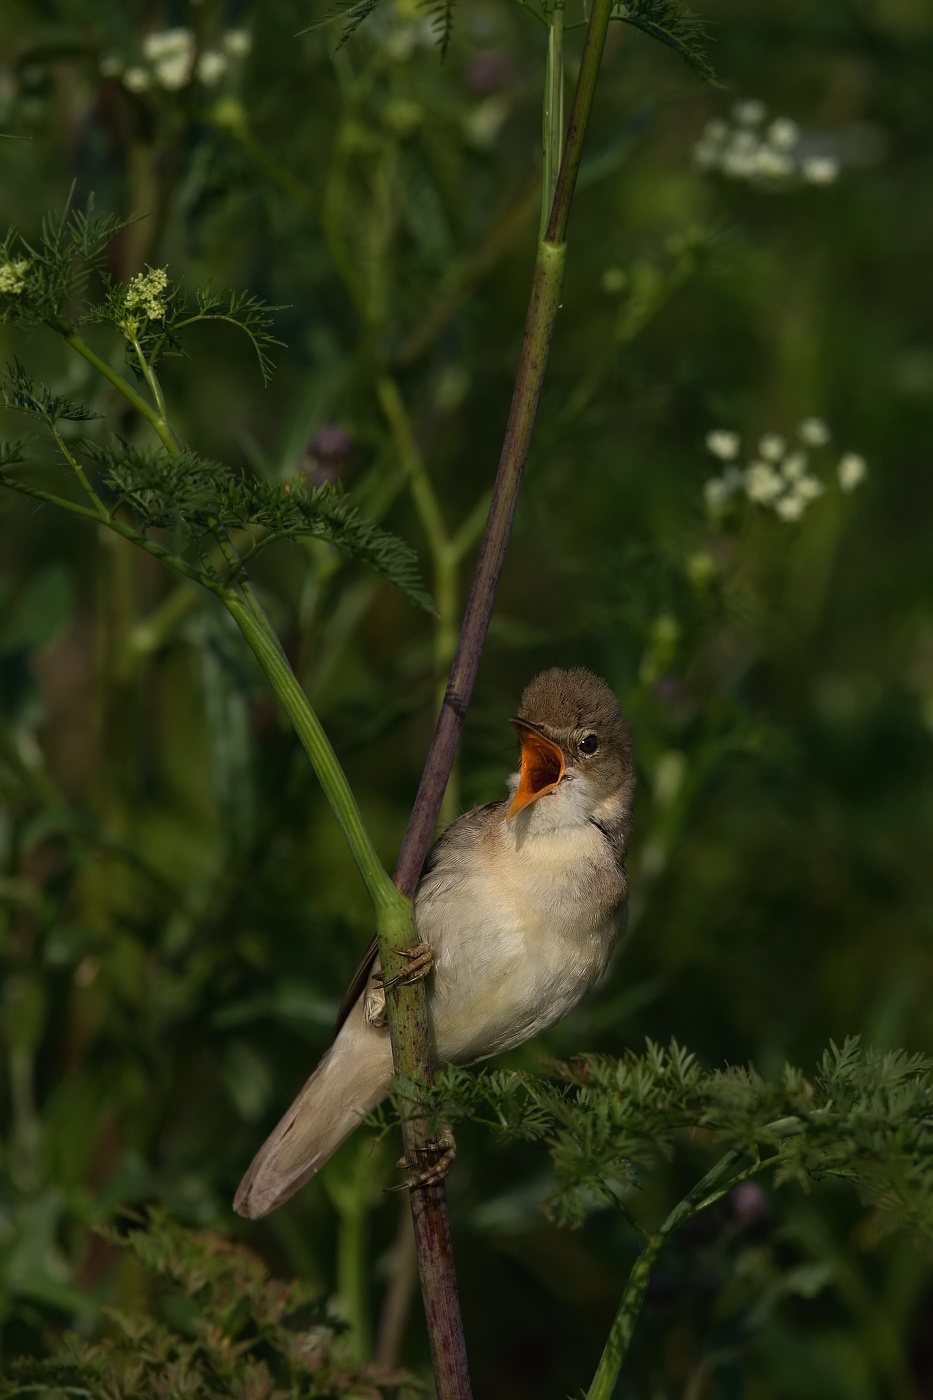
column 522, row 921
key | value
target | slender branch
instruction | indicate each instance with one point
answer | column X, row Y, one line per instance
column 460, row 283
column 71, row 337
column 174, row 561
column 720, row 1179
column 585, row 91
column 79, row 472
column 553, row 135
column 444, row 554
column 539, row 329
column 429, row 1211
column 151, row 378
column 337, row 790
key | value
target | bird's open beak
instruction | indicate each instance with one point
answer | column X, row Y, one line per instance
column 542, row 767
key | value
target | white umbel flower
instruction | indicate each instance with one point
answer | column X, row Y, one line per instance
column 13, row 277
column 762, row 483
column 814, row 432
column 783, row 133
column 772, row 447
column 749, row 112
column 851, row 471
column 820, row 170
column 723, row 444
column 790, row 507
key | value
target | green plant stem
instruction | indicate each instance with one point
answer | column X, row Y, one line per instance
column 79, row 472
column 159, row 427
column 174, row 561
column 553, row 123
column 720, row 1179
column 152, row 380
column 337, row 790
column 459, row 283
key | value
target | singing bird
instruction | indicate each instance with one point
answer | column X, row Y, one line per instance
column 520, row 904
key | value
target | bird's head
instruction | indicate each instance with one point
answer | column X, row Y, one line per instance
column 576, row 752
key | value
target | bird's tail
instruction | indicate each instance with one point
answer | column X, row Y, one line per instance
column 353, row 1077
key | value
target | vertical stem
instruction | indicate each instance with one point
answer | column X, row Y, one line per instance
column 428, row 1204
column 553, row 133
column 539, row 328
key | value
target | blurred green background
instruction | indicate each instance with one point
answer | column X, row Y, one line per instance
column 179, row 917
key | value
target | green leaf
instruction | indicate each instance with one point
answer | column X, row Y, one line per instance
column 185, row 491
column 22, row 392
column 673, row 25
column 866, row 1117
column 40, row 281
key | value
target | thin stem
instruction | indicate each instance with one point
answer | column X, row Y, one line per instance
column 397, row 1304
column 337, row 790
column 457, row 286
column 429, row 1213
column 79, row 472
column 593, row 46
column 720, row 1179
column 76, row 342
column 174, row 561
column 151, row 378
column 539, row 329
column 553, row 124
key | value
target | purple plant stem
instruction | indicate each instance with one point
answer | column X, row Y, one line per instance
column 429, row 1204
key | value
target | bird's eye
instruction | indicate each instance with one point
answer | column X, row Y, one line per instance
column 588, row 744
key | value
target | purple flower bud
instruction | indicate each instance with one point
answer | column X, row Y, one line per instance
column 750, row 1205
column 489, row 72
column 327, row 455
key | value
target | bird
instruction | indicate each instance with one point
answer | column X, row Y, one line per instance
column 518, row 908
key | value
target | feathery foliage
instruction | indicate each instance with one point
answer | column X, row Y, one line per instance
column 185, row 492
column 672, row 24
column 225, row 1329
column 40, row 281
column 27, row 395
column 866, row 1117
column 152, row 312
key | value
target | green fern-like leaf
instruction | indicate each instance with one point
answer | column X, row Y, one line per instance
column 247, row 313
column 245, row 1333
column 187, row 492
column 441, row 17
column 43, row 281
column 22, row 392
column 673, row 25
column 13, row 453
column 865, row 1117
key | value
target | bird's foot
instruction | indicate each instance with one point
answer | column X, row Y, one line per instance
column 420, row 961
column 434, row 1161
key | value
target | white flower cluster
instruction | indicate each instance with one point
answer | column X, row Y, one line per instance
column 170, row 58
column 748, row 149
column 778, row 475
column 146, row 293
column 13, row 276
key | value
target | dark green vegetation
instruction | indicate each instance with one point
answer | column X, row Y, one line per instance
column 180, row 916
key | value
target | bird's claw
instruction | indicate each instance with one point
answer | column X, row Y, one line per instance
column 442, row 1150
column 420, row 961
